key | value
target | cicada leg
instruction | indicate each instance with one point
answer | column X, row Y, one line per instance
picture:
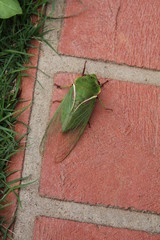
column 89, row 125
column 84, row 68
column 102, row 84
column 102, row 104
column 61, row 87
column 57, row 101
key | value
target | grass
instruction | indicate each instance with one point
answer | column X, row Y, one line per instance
column 16, row 34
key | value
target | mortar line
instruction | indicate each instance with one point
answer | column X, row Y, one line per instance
column 119, row 213
column 129, row 209
column 103, row 225
column 110, row 217
column 106, row 70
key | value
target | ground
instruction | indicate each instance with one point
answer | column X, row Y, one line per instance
column 108, row 187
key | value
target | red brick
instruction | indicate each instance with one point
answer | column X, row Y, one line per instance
column 120, row 31
column 56, row 229
column 116, row 161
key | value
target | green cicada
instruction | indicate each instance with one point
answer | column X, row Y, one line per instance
column 72, row 116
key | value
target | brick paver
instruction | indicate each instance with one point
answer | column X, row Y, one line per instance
column 120, row 31
column 56, row 229
column 117, row 160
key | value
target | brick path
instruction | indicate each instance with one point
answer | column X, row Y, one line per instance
column 108, row 187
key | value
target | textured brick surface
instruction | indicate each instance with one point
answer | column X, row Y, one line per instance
column 56, row 229
column 120, row 31
column 117, row 160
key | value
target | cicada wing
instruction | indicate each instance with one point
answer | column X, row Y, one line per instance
column 55, row 125
column 53, row 129
column 68, row 140
column 60, row 143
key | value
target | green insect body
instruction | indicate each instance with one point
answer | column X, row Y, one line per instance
column 71, row 117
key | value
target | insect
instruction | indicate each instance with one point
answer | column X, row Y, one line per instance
column 72, row 116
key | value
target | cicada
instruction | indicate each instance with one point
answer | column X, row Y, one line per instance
column 72, row 116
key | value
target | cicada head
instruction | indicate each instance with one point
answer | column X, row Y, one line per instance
column 87, row 86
